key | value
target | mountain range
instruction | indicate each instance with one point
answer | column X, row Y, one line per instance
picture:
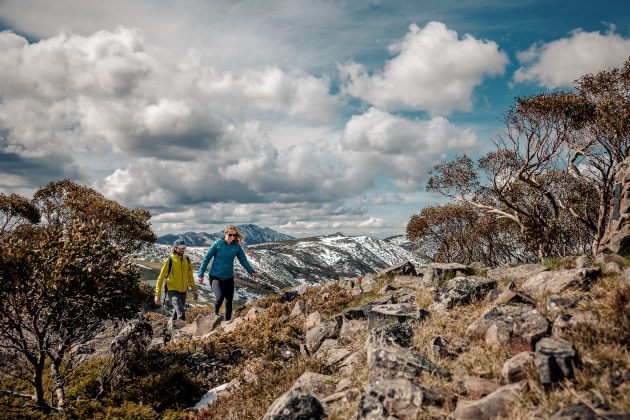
column 290, row 262
column 253, row 235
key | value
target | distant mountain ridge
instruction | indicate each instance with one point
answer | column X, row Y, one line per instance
column 311, row 261
column 253, row 235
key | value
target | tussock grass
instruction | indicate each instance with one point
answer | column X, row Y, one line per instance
column 271, row 378
column 265, row 373
column 195, row 311
column 263, row 355
column 601, row 375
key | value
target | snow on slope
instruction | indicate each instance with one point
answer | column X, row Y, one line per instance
column 309, row 261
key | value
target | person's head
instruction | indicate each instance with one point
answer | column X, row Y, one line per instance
column 230, row 233
column 179, row 247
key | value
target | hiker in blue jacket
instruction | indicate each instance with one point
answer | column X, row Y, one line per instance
column 221, row 273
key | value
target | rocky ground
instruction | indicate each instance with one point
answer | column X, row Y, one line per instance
column 450, row 341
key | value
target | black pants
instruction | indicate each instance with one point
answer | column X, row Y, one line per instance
column 223, row 289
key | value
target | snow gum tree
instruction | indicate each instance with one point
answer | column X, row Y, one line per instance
column 553, row 170
column 61, row 280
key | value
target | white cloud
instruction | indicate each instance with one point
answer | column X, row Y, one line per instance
column 69, row 91
column 373, row 145
column 295, row 94
column 405, row 150
column 111, row 93
column 236, row 112
column 244, row 34
column 433, row 71
column 557, row 64
column 167, row 117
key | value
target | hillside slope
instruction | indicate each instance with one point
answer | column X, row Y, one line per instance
column 305, row 261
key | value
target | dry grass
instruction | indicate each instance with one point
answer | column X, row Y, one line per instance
column 253, row 397
column 155, row 318
column 192, row 313
column 602, row 378
column 264, row 373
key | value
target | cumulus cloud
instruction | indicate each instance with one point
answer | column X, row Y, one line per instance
column 559, row 63
column 403, row 149
column 433, row 71
column 271, row 89
column 69, row 92
column 187, row 135
column 372, row 145
column 245, row 115
column 243, row 34
column 109, row 92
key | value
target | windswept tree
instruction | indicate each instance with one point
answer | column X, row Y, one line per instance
column 602, row 139
column 546, row 229
column 62, row 279
column 554, row 165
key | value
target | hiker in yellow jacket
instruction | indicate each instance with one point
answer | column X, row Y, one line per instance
column 178, row 272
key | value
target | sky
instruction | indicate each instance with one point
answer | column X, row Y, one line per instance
column 307, row 117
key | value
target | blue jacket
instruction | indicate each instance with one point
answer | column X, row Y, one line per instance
column 223, row 263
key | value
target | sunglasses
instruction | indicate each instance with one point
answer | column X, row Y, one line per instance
column 231, row 234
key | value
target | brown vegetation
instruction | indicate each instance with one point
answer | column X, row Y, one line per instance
column 552, row 173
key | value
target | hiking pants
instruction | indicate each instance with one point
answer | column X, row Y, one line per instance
column 178, row 302
column 223, row 289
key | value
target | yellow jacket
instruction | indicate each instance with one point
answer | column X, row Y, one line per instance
column 180, row 277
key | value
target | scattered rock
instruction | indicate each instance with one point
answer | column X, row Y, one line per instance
column 554, row 359
column 295, row 405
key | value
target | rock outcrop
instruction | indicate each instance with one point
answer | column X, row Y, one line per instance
column 617, row 237
column 525, row 320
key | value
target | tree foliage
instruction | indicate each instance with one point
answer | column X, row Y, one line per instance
column 63, row 278
column 64, row 203
column 15, row 211
column 546, row 228
column 603, row 140
column 463, row 234
column 553, row 169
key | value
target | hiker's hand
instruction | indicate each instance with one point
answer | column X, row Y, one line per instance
column 200, row 280
column 195, row 295
column 157, row 300
column 254, row 276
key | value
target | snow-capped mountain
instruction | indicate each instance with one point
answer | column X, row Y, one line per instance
column 310, row 261
column 253, row 235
